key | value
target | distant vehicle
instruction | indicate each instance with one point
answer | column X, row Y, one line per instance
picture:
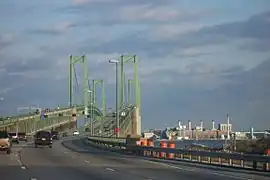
column 55, row 135
column 76, row 133
column 22, row 136
column 5, row 144
column 65, row 134
column 43, row 138
column 14, row 137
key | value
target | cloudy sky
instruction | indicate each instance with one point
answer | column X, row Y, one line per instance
column 199, row 60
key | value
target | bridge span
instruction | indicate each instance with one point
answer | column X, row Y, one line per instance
column 78, row 157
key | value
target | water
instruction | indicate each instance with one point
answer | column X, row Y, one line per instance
column 188, row 143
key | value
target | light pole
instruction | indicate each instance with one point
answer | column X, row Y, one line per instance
column 116, row 95
column 91, row 104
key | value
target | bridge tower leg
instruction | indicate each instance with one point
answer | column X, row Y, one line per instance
column 130, row 81
column 134, row 59
column 72, row 61
column 137, row 94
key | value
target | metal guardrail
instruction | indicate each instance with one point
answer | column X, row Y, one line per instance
column 108, row 140
column 12, row 121
column 247, row 161
column 79, row 107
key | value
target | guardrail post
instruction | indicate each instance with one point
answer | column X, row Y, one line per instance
column 242, row 163
column 219, row 161
column 254, row 165
column 266, row 166
column 181, row 156
column 199, row 159
column 230, row 162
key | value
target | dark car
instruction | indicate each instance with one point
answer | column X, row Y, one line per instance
column 14, row 137
column 55, row 135
column 65, row 134
column 43, row 138
column 22, row 136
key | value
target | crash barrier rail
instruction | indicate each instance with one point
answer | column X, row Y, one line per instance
column 54, row 111
column 43, row 126
column 13, row 120
column 168, row 151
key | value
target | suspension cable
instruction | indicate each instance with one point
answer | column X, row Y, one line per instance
column 77, row 83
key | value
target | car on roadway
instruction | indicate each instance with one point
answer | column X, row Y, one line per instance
column 65, row 134
column 76, row 133
column 55, row 135
column 5, row 144
column 14, row 137
column 43, row 138
column 22, row 136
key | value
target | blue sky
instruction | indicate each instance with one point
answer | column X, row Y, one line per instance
column 198, row 59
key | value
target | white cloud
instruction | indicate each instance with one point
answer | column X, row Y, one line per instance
column 147, row 12
column 6, row 38
column 57, row 29
column 5, row 90
column 81, row 2
column 170, row 31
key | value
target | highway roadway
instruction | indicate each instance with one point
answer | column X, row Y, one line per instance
column 77, row 161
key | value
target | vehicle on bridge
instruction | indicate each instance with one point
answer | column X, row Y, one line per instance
column 5, row 144
column 55, row 135
column 43, row 138
column 76, row 133
column 14, row 137
column 22, row 136
column 65, row 134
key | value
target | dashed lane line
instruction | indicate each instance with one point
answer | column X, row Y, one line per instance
column 193, row 170
column 110, row 169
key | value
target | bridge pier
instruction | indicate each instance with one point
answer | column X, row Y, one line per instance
column 136, row 122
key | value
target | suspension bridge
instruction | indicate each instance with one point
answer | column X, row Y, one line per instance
column 124, row 120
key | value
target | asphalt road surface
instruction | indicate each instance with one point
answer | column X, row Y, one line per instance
column 76, row 161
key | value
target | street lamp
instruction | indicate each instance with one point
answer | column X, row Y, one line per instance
column 91, row 112
column 116, row 62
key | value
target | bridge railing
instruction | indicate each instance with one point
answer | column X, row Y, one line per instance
column 29, row 117
column 235, row 160
column 48, row 124
column 109, row 122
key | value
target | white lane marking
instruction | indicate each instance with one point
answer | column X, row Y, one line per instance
column 193, row 170
column 87, row 162
column 65, row 152
column 19, row 161
column 33, row 178
column 110, row 169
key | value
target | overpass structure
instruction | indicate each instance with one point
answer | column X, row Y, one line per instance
column 97, row 120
